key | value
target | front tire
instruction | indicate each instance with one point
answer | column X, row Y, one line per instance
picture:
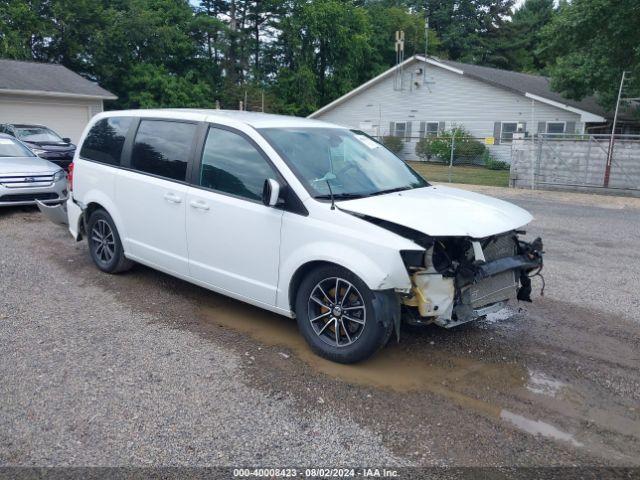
column 105, row 246
column 336, row 316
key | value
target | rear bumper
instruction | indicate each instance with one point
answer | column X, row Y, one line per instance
column 56, row 213
column 67, row 213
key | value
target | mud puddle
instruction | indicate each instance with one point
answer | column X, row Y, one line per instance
column 432, row 370
column 392, row 369
column 538, row 427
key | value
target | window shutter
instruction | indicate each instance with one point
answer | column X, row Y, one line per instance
column 441, row 127
column 392, row 129
column 423, row 129
column 496, row 132
column 407, row 131
column 542, row 127
column 570, row 128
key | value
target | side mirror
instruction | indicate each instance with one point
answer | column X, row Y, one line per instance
column 66, row 140
column 270, row 192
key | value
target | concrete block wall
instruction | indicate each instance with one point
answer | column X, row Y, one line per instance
column 576, row 164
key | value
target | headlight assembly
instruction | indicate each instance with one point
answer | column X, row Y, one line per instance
column 59, row 175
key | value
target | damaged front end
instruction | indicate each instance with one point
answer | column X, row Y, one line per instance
column 459, row 279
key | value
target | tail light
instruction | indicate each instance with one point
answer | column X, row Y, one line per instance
column 70, row 176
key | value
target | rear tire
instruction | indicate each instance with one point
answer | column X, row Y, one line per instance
column 105, row 246
column 335, row 314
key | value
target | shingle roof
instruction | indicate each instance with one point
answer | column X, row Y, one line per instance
column 525, row 83
column 47, row 77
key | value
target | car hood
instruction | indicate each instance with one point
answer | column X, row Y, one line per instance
column 51, row 146
column 28, row 165
column 442, row 212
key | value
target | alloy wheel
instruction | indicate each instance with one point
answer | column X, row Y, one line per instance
column 337, row 312
column 103, row 241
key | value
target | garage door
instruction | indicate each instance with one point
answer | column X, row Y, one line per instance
column 67, row 120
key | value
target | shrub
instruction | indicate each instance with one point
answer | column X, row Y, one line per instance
column 434, row 148
column 469, row 148
column 493, row 164
column 439, row 148
column 395, row 144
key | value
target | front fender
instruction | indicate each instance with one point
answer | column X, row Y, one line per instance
column 385, row 272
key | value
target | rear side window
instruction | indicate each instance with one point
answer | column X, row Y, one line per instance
column 231, row 164
column 105, row 140
column 162, row 148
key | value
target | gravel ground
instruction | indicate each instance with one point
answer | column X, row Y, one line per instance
column 144, row 369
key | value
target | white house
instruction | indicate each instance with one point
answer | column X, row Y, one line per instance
column 48, row 94
column 423, row 96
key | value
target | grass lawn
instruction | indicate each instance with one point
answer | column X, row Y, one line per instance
column 462, row 174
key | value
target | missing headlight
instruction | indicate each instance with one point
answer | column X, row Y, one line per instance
column 413, row 259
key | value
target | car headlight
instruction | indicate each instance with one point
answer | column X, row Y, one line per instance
column 38, row 151
column 59, row 175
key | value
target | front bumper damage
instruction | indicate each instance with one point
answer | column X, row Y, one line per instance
column 464, row 279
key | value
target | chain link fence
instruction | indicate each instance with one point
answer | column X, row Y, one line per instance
column 583, row 162
column 450, row 149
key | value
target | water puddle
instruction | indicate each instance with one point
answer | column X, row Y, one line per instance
column 499, row 316
column 542, row 384
column 538, row 427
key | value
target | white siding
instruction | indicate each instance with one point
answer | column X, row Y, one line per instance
column 452, row 98
column 67, row 117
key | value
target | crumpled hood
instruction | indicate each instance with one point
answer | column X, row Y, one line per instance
column 442, row 212
column 26, row 165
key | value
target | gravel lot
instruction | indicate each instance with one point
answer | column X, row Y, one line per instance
column 144, row 369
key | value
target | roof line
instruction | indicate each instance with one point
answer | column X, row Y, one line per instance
column 357, row 90
column 435, row 63
column 586, row 116
column 45, row 93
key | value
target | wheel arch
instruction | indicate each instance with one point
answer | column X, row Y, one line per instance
column 297, row 277
column 387, row 272
column 97, row 200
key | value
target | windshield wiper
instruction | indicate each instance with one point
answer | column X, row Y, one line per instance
column 341, row 196
column 390, row 190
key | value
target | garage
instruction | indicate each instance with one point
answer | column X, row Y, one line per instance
column 48, row 94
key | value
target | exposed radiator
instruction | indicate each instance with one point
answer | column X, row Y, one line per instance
column 497, row 287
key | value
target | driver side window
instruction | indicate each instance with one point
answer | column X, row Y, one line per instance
column 231, row 164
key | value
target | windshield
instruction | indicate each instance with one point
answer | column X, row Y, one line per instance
column 12, row 148
column 37, row 134
column 352, row 164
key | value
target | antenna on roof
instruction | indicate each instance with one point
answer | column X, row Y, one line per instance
column 426, row 39
column 426, row 80
column 398, row 80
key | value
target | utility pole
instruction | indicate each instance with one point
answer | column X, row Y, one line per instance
column 607, row 171
column 453, row 146
column 533, row 144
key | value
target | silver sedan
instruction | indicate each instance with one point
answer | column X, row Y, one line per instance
column 25, row 177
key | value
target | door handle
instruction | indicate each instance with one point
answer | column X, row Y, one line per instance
column 199, row 205
column 172, row 197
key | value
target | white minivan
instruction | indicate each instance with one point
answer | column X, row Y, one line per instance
column 301, row 217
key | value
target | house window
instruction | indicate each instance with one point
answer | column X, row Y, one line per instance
column 507, row 131
column 400, row 129
column 431, row 129
column 555, row 127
